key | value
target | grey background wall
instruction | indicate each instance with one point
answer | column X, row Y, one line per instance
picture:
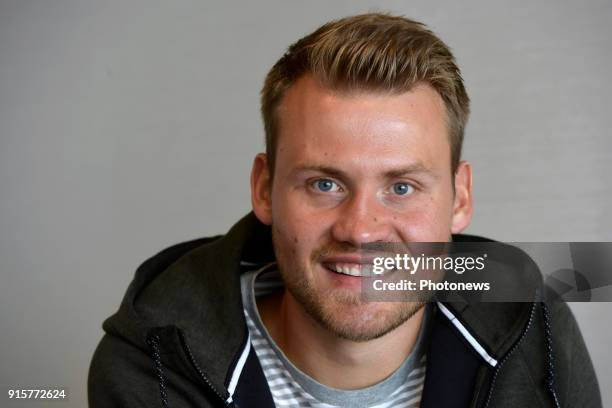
column 126, row 126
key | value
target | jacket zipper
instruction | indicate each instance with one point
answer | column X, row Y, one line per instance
column 509, row 353
column 203, row 376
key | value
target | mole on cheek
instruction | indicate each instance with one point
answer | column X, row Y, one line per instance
column 295, row 240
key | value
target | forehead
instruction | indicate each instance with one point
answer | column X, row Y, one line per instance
column 374, row 127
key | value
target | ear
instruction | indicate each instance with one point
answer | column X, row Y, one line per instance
column 261, row 189
column 462, row 205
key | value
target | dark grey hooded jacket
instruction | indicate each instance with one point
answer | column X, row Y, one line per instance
column 180, row 339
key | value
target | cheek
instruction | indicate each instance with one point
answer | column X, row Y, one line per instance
column 430, row 222
column 296, row 228
column 287, row 214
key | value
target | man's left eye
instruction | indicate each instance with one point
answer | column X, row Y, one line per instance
column 402, row 188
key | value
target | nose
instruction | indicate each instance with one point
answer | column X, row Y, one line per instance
column 360, row 220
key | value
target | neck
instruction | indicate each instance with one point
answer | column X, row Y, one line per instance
column 329, row 359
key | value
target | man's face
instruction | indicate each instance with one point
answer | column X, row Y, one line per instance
column 353, row 169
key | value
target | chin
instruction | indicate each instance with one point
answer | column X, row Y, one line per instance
column 352, row 319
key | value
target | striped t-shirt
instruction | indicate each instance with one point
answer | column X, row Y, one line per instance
column 291, row 387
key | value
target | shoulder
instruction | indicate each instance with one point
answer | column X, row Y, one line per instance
column 555, row 350
column 119, row 371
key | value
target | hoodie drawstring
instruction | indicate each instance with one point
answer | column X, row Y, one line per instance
column 550, row 378
column 153, row 343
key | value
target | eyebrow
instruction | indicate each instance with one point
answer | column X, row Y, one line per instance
column 411, row 169
column 415, row 168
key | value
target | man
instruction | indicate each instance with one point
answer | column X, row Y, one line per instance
column 364, row 122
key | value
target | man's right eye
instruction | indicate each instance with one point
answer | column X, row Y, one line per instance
column 326, row 186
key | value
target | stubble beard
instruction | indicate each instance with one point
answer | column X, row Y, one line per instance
column 340, row 311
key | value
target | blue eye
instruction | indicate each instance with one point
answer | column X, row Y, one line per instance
column 402, row 188
column 326, row 185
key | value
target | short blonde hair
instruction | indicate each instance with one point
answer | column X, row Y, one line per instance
column 374, row 52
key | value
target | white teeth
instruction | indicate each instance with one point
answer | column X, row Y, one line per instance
column 352, row 269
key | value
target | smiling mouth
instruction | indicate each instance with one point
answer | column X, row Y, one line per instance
column 350, row 269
